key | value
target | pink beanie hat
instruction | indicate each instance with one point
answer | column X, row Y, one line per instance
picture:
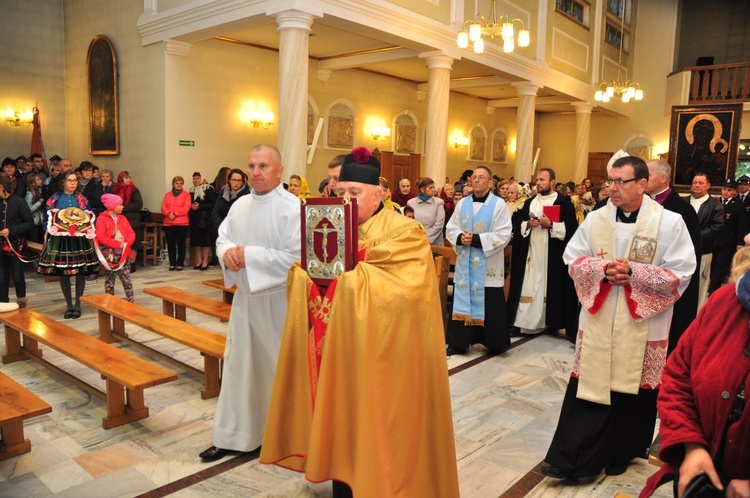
column 111, row 201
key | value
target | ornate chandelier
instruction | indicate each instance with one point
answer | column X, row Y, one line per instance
column 474, row 31
column 627, row 90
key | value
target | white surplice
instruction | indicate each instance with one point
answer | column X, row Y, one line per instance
column 532, row 308
column 670, row 273
column 269, row 228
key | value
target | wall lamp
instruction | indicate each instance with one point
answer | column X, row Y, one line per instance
column 16, row 118
column 380, row 133
column 258, row 119
column 459, row 141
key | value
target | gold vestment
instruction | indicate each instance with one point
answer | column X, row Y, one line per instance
column 382, row 421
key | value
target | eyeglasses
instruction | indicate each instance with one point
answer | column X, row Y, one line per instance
column 72, row 180
column 618, row 182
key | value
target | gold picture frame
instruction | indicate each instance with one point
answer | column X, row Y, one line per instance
column 104, row 117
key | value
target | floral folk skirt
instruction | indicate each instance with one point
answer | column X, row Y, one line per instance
column 68, row 256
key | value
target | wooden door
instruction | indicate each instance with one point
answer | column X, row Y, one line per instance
column 393, row 168
column 597, row 171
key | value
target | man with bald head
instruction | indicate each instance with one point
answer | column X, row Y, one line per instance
column 257, row 244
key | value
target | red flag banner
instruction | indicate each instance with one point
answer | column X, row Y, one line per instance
column 37, row 146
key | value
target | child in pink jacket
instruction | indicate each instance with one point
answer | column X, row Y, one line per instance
column 115, row 237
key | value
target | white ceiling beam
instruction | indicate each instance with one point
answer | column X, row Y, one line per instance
column 352, row 61
column 513, row 102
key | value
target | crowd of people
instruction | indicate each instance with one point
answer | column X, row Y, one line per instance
column 623, row 269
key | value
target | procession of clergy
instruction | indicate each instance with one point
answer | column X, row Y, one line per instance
column 327, row 382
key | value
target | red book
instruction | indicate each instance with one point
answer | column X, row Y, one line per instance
column 552, row 212
column 329, row 237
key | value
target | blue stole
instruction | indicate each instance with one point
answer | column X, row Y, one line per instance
column 468, row 281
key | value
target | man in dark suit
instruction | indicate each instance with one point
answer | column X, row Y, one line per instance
column 731, row 239
column 743, row 190
column 711, row 219
column 686, row 307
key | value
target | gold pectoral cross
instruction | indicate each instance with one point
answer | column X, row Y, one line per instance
column 602, row 252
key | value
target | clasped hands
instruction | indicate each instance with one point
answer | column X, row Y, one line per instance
column 234, row 258
column 543, row 220
column 618, row 272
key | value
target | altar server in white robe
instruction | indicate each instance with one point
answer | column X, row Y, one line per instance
column 630, row 261
column 258, row 242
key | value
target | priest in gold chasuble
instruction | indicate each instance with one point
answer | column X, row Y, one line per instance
column 375, row 413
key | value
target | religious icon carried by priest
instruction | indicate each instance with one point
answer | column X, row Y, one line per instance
column 366, row 403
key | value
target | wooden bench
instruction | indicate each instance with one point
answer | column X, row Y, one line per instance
column 16, row 405
column 176, row 301
column 114, row 312
column 227, row 293
column 125, row 375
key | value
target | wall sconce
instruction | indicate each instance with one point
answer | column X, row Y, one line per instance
column 459, row 141
column 380, row 133
column 260, row 120
column 16, row 118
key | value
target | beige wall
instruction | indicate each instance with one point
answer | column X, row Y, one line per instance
column 32, row 73
column 141, row 92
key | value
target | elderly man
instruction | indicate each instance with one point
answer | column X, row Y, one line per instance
column 630, row 261
column 404, row 193
column 686, row 307
column 479, row 230
column 374, row 412
column 711, row 219
column 258, row 242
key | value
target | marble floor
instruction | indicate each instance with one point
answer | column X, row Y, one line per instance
column 505, row 410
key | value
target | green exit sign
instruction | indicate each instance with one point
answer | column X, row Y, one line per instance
column 187, row 143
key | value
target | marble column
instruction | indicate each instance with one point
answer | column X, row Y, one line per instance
column 294, row 30
column 438, row 93
column 583, row 138
column 525, row 122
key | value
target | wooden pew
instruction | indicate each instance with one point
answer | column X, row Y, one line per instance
column 442, row 269
column 125, row 375
column 176, row 301
column 227, row 293
column 16, row 405
column 114, row 312
column 449, row 256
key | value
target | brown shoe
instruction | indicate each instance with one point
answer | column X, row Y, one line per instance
column 22, row 302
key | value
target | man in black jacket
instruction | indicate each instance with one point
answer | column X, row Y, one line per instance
column 686, row 307
column 731, row 239
column 711, row 219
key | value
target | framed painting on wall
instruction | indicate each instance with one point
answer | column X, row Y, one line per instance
column 104, row 119
column 704, row 139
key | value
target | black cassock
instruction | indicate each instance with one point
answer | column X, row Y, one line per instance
column 562, row 302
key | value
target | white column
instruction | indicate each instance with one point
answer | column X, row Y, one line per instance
column 438, row 93
column 525, row 122
column 583, row 138
column 294, row 29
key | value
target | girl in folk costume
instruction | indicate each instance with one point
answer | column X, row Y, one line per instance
column 16, row 220
column 68, row 249
column 114, row 237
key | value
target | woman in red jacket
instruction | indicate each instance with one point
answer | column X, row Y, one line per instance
column 115, row 237
column 176, row 208
column 705, row 423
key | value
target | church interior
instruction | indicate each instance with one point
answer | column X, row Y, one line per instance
column 199, row 82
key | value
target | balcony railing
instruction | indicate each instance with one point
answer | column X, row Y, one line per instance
column 721, row 83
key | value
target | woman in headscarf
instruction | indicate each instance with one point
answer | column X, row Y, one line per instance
column 299, row 187
column 203, row 197
column 132, row 203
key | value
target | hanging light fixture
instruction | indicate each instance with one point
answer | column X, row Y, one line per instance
column 627, row 90
column 475, row 30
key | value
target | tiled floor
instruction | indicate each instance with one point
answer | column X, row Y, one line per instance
column 505, row 411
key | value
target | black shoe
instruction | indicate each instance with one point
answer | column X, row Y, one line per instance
column 171, row 268
column 553, row 472
column 179, row 268
column 75, row 314
column 495, row 352
column 68, row 314
column 616, row 469
column 133, row 267
column 213, row 454
column 454, row 350
column 204, row 268
column 197, row 267
column 515, row 332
